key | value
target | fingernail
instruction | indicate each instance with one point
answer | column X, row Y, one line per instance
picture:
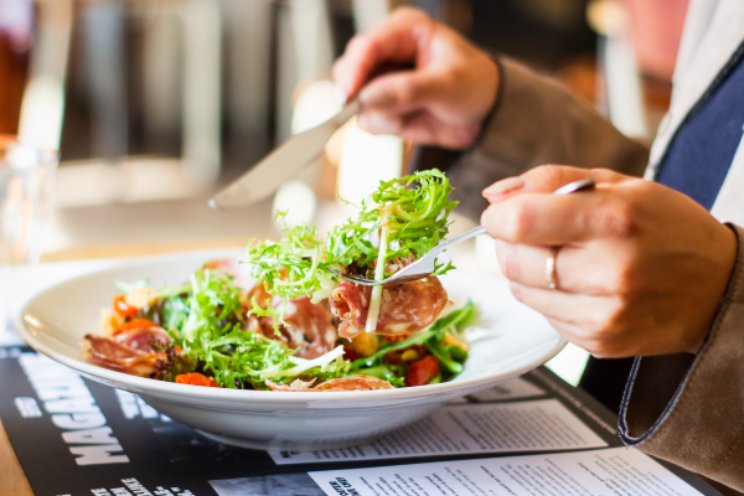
column 503, row 187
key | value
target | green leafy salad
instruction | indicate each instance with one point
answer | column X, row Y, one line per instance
column 285, row 319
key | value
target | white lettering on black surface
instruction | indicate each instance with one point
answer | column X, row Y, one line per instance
column 74, row 411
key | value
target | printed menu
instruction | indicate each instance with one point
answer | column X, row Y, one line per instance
column 473, row 429
column 608, row 471
column 531, row 436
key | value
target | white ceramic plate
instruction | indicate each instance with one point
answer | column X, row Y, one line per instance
column 510, row 340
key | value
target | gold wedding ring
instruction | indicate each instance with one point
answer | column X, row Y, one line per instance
column 551, row 271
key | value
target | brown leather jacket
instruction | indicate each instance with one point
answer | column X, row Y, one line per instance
column 687, row 409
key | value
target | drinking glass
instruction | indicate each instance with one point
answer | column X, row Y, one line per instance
column 26, row 184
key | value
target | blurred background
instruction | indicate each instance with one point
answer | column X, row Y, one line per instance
column 155, row 104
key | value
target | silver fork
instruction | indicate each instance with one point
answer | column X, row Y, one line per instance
column 425, row 265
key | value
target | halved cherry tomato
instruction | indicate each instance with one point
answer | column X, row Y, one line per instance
column 196, row 379
column 122, row 308
column 422, row 371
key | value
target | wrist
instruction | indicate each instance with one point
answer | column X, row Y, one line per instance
column 493, row 102
column 727, row 253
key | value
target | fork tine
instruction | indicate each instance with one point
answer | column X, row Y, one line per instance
column 417, row 270
column 359, row 280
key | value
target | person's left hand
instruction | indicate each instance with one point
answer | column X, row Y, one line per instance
column 641, row 269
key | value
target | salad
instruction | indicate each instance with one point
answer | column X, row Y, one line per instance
column 285, row 319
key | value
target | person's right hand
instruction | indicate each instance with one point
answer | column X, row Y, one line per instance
column 442, row 100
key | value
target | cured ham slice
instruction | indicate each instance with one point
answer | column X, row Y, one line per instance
column 109, row 353
column 405, row 309
column 308, row 327
column 355, row 383
column 145, row 337
column 137, row 350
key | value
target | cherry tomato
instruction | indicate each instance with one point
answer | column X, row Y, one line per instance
column 135, row 324
column 123, row 309
column 422, row 371
column 196, row 379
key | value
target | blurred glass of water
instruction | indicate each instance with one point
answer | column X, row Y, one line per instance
column 26, row 185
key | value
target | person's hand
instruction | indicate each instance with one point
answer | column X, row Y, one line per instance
column 641, row 269
column 442, row 100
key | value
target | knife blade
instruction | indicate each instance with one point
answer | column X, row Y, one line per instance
column 284, row 162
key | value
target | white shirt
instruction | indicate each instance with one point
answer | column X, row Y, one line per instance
column 713, row 31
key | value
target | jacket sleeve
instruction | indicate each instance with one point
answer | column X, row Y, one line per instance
column 688, row 409
column 537, row 121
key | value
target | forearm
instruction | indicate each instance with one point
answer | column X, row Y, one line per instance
column 688, row 410
column 537, row 121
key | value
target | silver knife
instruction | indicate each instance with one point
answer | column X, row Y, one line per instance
column 283, row 163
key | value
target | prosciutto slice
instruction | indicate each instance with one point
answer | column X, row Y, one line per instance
column 108, row 353
column 308, row 327
column 405, row 308
column 136, row 351
column 147, row 339
column 355, row 383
